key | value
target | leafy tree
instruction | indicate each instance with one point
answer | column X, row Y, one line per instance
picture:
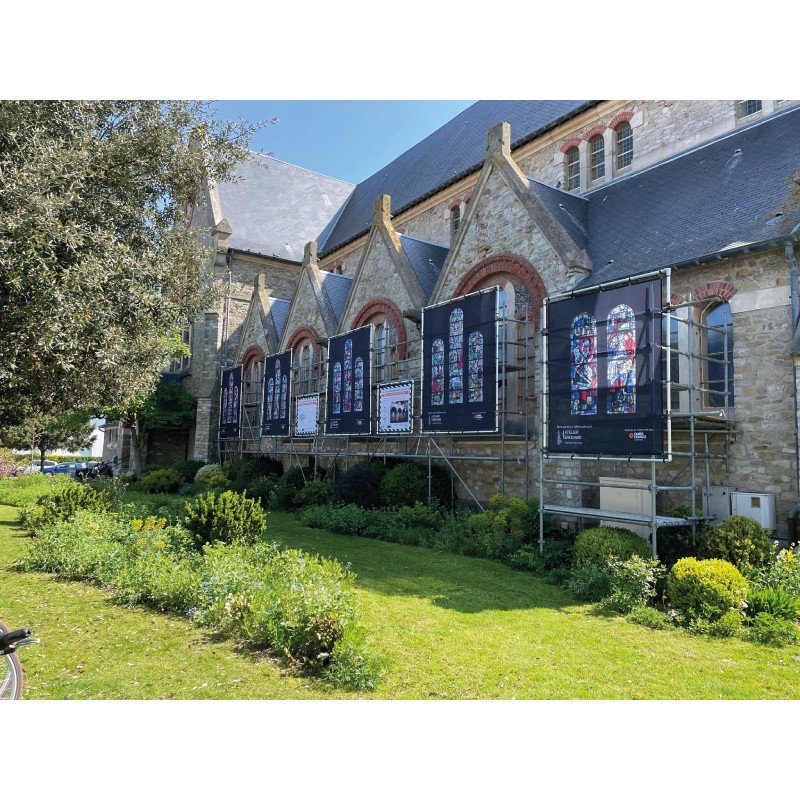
column 98, row 268
column 47, row 432
column 169, row 407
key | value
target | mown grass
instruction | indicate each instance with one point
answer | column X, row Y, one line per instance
column 449, row 627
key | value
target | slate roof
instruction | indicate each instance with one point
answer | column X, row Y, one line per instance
column 276, row 208
column 426, row 260
column 280, row 313
column 731, row 192
column 569, row 209
column 337, row 287
column 454, row 150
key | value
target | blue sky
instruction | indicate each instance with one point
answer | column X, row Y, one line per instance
column 345, row 139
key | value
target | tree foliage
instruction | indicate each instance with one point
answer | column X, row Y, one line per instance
column 97, row 266
column 47, row 432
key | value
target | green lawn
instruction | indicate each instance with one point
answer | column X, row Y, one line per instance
column 449, row 627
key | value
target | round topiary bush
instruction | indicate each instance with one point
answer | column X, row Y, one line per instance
column 738, row 540
column 360, row 485
column 405, row 485
column 211, row 475
column 707, row 589
column 595, row 546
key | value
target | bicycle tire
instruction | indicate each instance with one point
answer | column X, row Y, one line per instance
column 10, row 674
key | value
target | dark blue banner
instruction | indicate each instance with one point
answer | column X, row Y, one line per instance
column 604, row 372
column 230, row 403
column 459, row 368
column 277, row 395
column 349, row 387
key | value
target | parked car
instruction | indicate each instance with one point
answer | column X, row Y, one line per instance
column 28, row 469
column 65, row 468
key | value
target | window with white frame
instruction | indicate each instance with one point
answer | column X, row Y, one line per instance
column 572, row 169
column 253, row 374
column 744, row 108
column 385, row 350
column 597, row 157
column 623, row 139
column 718, row 353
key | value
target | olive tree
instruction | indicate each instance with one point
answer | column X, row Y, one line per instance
column 98, row 268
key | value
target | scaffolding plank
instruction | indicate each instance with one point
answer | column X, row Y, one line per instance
column 620, row 516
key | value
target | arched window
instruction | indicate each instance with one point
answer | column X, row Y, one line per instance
column 253, row 373
column 306, row 377
column 718, row 347
column 455, row 373
column 437, row 372
column 623, row 139
column 572, row 169
column 385, row 349
column 597, row 157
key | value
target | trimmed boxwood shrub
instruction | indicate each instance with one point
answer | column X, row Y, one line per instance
column 211, row 475
column 739, row 540
column 160, row 481
column 595, row 546
column 707, row 589
column 228, row 517
column 404, row 485
column 314, row 493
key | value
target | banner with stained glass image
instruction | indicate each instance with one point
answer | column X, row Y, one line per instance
column 459, row 364
column 230, row 403
column 604, row 372
column 277, row 394
column 349, row 388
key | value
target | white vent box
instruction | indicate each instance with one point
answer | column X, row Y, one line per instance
column 760, row 507
column 717, row 502
column 626, row 494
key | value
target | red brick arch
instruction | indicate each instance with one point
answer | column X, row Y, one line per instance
column 569, row 144
column 594, row 131
column 385, row 307
column 302, row 334
column 495, row 269
column 253, row 353
column 713, row 290
column 623, row 116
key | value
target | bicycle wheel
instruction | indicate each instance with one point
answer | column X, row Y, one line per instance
column 10, row 674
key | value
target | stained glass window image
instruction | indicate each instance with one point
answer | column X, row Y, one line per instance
column 276, row 402
column 621, row 337
column 455, row 379
column 437, row 372
column 348, row 376
column 284, row 392
column 337, row 388
column 270, row 398
column 358, row 394
column 476, row 367
column 583, row 365
column 224, row 405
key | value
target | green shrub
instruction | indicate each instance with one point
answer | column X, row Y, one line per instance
column 289, row 484
column 241, row 472
column 67, row 498
column 650, row 617
column 160, row 481
column 589, row 582
column 404, row 485
column 418, row 515
column 263, row 489
column 314, row 493
column 706, row 590
column 188, row 469
column 678, row 541
column 740, row 541
column 597, row 546
column 771, row 630
column 633, row 583
column 211, row 475
column 727, row 625
column 353, row 665
column 229, row 517
column 527, row 559
column 773, row 600
column 360, row 485
column 26, row 490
